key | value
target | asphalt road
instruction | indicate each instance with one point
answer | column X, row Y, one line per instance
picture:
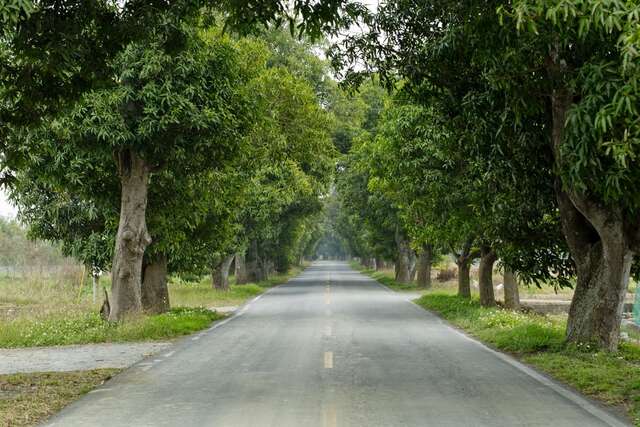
column 332, row 348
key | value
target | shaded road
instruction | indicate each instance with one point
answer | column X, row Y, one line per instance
column 331, row 348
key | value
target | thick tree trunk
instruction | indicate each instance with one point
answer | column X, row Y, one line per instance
column 510, row 286
column 485, row 279
column 155, row 294
column 402, row 259
column 220, row 273
column 424, row 267
column 255, row 268
column 463, row 261
column 379, row 263
column 413, row 265
column 602, row 242
column 464, row 279
column 241, row 269
column 132, row 238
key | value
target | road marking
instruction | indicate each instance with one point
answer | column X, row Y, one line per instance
column 330, row 418
column 327, row 330
column 328, row 359
column 99, row 390
column 169, row 354
column 196, row 338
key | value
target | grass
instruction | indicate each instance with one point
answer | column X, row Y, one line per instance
column 613, row 378
column 83, row 328
column 27, row 399
column 41, row 311
column 199, row 293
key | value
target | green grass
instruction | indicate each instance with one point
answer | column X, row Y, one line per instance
column 199, row 293
column 613, row 378
column 85, row 328
column 28, row 399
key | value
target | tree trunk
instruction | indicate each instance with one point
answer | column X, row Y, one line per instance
column 487, row 259
column 413, row 265
column 464, row 278
column 424, row 267
column 463, row 261
column 511, row 294
column 402, row 259
column 603, row 262
column 255, row 270
column 155, row 294
column 602, row 242
column 379, row 263
column 132, row 238
column 220, row 273
column 241, row 269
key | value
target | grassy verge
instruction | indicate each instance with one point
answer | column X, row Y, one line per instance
column 200, row 294
column 82, row 328
column 27, row 399
column 613, row 378
column 386, row 278
column 81, row 324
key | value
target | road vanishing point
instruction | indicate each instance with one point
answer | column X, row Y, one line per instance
column 329, row 348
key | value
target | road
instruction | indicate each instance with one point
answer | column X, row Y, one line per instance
column 332, row 348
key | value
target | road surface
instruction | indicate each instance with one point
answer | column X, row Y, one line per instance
column 331, row 348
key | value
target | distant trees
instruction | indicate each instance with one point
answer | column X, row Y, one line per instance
column 514, row 129
column 179, row 151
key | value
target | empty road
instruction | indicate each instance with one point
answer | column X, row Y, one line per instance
column 331, row 348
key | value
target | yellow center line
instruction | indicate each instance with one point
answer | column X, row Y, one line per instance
column 329, row 416
column 328, row 360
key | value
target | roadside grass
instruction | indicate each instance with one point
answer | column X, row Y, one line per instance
column 58, row 312
column 89, row 327
column 199, row 293
column 613, row 378
column 28, row 399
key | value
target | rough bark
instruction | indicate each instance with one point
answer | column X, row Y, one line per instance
column 220, row 273
column 255, row 268
column 424, row 267
column 463, row 261
column 155, row 294
column 510, row 286
column 602, row 242
column 132, row 238
column 402, row 265
column 241, row 269
column 485, row 276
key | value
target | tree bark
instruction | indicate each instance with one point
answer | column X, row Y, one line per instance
column 241, row 269
column 602, row 242
column 132, row 238
column 424, row 267
column 255, row 270
column 413, row 265
column 402, row 259
column 511, row 294
column 220, row 273
column 463, row 261
column 487, row 259
column 155, row 293
column 379, row 263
